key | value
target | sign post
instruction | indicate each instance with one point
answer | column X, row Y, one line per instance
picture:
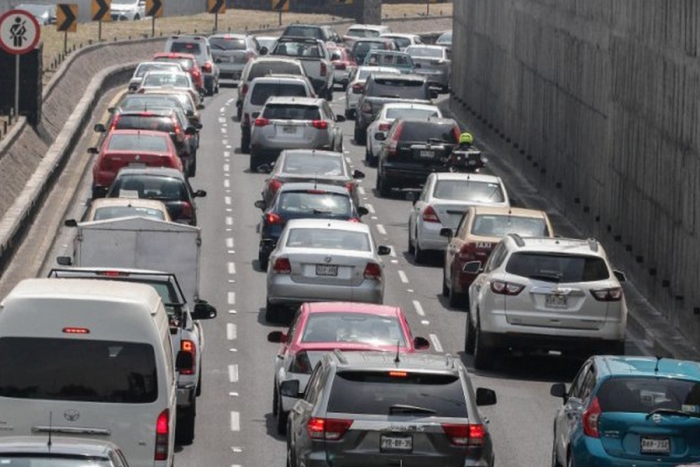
column 19, row 34
column 154, row 9
column 280, row 6
column 216, row 7
column 101, row 11
column 66, row 21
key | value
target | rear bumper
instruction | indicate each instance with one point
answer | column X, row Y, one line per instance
column 589, row 451
column 186, row 394
column 281, row 290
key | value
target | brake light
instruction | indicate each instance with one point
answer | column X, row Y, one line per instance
column 113, row 273
column 366, row 108
column 386, row 126
column 76, row 330
column 398, row 374
column 350, row 186
column 330, row 429
column 114, row 122
column 244, row 89
column 358, row 88
column 613, row 294
column 340, row 65
column 274, row 218
column 207, row 67
column 274, row 185
column 162, row 435
column 373, row 272
column 506, row 288
column 186, row 212
column 456, row 132
column 301, row 364
column 354, row 219
column 465, row 434
column 394, row 143
column 188, row 346
column 324, row 69
column 320, row 124
column 262, row 122
column 282, row 266
column 176, row 126
column 429, row 215
column 590, row 419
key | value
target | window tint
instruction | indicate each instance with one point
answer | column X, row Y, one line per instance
column 353, row 327
column 24, row 460
column 230, row 43
column 487, row 225
column 291, row 112
column 77, row 370
column 397, row 87
column 393, row 114
column 643, row 394
column 553, row 267
column 145, row 68
column 185, row 47
column 424, row 131
column 144, row 122
column 274, row 68
column 328, row 239
column 160, row 188
column 113, row 212
column 313, row 164
column 466, row 190
column 376, row 392
column 362, row 33
column 121, row 142
column 262, row 91
column 304, row 31
column 402, row 41
column 424, row 52
column 320, row 204
column 185, row 63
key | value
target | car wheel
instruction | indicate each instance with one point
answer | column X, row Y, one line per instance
column 263, row 259
column 271, row 312
column 282, row 417
column 470, row 336
column 329, row 94
column 555, row 461
column 457, row 300
column 384, row 187
column 137, row 17
column 184, row 426
column 419, row 255
column 445, row 290
column 275, row 396
column 410, row 245
column 254, row 161
column 360, row 135
column 199, row 381
column 245, row 141
column 239, row 112
column 368, row 155
column 192, row 169
column 483, row 353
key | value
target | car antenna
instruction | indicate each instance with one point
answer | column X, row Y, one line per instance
column 656, row 367
column 398, row 346
column 48, row 443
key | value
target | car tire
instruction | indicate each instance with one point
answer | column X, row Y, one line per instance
column 245, row 141
column 483, row 353
column 329, row 94
column 383, row 187
column 411, row 248
column 271, row 312
column 445, row 290
column 184, row 427
column 137, row 17
column 359, row 135
column 263, row 260
column 275, row 396
column 470, row 336
column 555, row 462
column 239, row 112
column 254, row 161
column 570, row 461
column 457, row 300
column 199, row 381
column 419, row 254
column 282, row 418
column 368, row 155
column 192, row 168
column 349, row 114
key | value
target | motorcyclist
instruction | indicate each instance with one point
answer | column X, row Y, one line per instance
column 466, row 141
column 464, row 157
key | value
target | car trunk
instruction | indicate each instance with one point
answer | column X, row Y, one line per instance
column 113, row 161
column 451, row 212
column 328, row 267
column 292, row 130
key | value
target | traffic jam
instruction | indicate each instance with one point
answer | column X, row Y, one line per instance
column 117, row 372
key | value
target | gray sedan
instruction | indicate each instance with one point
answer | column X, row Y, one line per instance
column 232, row 52
column 433, row 62
column 321, row 260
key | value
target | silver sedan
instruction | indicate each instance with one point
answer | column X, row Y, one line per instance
column 321, row 260
column 433, row 62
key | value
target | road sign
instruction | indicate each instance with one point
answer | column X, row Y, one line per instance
column 19, row 32
column 67, row 17
column 154, row 8
column 101, row 10
column 216, row 6
column 280, row 5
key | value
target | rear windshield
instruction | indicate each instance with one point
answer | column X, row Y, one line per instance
column 77, row 370
column 384, row 59
column 558, row 267
column 365, row 72
column 398, row 88
column 425, row 131
column 426, row 52
column 314, row 164
column 232, row 43
column 291, row 112
column 393, row 114
column 361, row 49
column 143, row 69
column 114, row 212
column 328, row 239
column 262, row 91
column 297, row 49
column 312, row 203
column 144, row 122
column 163, row 79
column 466, row 190
column 274, row 68
column 644, row 395
column 381, row 393
column 137, row 143
column 24, row 460
column 500, row 226
column 185, row 63
column 362, row 328
column 160, row 188
column 304, row 31
column 362, row 33
column 185, row 47
column 144, row 102
column 402, row 41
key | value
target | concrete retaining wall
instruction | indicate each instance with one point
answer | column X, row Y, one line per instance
column 600, row 99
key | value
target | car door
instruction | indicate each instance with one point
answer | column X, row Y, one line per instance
column 285, row 353
column 335, row 132
column 568, row 416
column 418, row 207
column 457, row 241
column 477, row 290
column 302, row 411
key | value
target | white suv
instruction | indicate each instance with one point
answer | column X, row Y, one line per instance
column 545, row 294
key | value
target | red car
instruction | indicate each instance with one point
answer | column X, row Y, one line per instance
column 343, row 65
column 123, row 148
column 318, row 328
column 188, row 62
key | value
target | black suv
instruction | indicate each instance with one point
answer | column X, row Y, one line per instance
column 381, row 89
column 379, row 408
column 413, row 149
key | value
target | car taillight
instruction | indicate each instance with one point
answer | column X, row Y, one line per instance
column 324, row 69
column 590, row 419
column 176, row 126
column 249, row 55
column 506, row 288
column 301, row 364
column 246, row 118
column 282, row 266
column 358, row 88
column 429, row 215
column 262, row 122
column 340, row 65
column 273, row 218
column 274, row 185
column 162, row 436
column 330, row 429
column 373, row 271
column 386, row 126
column 186, row 212
column 350, row 186
column 393, row 145
column 114, row 122
column 207, row 68
column 244, row 90
column 366, row 108
column 354, row 219
column 456, row 132
column 320, row 124
column 465, row 434
column 188, row 346
column 613, row 294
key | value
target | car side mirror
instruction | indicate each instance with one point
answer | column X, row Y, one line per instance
column 362, row 211
column 421, row 343
column 472, row 267
column 620, row 276
column 261, row 204
column 93, row 151
column 204, row 310
column 70, row 223
column 201, row 106
column 383, row 250
column 358, row 175
column 184, row 361
column 340, row 118
column 264, row 50
column 290, row 388
column 485, row 397
column 190, row 131
column 559, row 390
column 218, row 60
column 434, row 94
column 446, row 232
column 190, row 113
column 100, row 128
column 200, row 194
column 111, row 110
column 277, row 337
column 198, row 126
column 380, row 136
column 64, row 260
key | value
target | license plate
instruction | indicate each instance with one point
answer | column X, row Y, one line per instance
column 137, row 164
column 427, row 154
column 396, row 443
column 289, row 129
column 655, row 445
column 232, row 59
column 556, row 301
column 326, row 270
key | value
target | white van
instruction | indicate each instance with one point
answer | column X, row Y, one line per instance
column 91, row 359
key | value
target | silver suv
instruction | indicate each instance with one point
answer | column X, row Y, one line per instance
column 381, row 408
column 541, row 293
column 200, row 48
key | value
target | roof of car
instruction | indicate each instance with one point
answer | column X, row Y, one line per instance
column 82, row 290
column 276, row 78
column 155, row 171
column 425, row 46
column 387, row 52
column 160, row 134
column 174, row 55
column 371, row 39
column 410, row 105
column 391, row 76
column 60, row 445
column 327, row 224
column 645, row 366
column 505, row 211
column 295, row 100
column 484, row 178
column 146, row 113
column 276, row 58
column 588, row 247
column 188, row 38
column 352, row 307
column 153, row 62
column 386, row 361
column 373, row 27
column 307, row 186
column 167, row 72
column 380, row 69
column 398, row 34
column 439, row 120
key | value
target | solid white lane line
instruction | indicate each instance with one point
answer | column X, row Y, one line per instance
column 227, row 183
column 402, row 276
column 381, row 229
column 231, row 268
column 226, row 167
column 229, row 221
column 418, row 307
column 361, row 190
column 348, row 160
column 436, row 343
column 370, row 208
column 232, row 298
column 235, row 421
column 231, row 331
column 227, row 199
column 229, row 243
column 233, row 373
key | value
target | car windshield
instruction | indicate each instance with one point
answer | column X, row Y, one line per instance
column 298, row 49
column 424, row 52
column 328, row 239
column 114, row 212
column 57, row 460
column 361, row 32
column 555, row 267
column 138, row 142
column 469, row 190
column 366, row 71
column 313, row 164
column 445, row 38
column 185, row 63
column 388, row 59
column 262, row 91
column 398, row 88
column 274, row 68
column 291, row 112
column 227, row 43
column 314, row 202
column 646, row 394
column 406, row 112
column 362, row 328
column 146, row 67
column 397, row 392
column 166, row 79
column 304, row 31
column 144, row 122
column 402, row 41
column 77, row 370
column 420, row 132
column 489, row 225
column 149, row 187
column 186, row 47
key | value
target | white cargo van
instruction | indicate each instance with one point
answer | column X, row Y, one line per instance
column 90, row 359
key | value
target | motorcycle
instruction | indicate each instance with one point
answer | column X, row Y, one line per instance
column 465, row 160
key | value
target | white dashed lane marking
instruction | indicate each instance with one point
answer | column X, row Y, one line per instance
column 370, row 208
column 235, row 421
column 402, row 276
column 418, row 307
column 226, row 167
column 229, row 221
column 227, row 183
column 231, row 331
column 233, row 373
column 436, row 343
column 227, row 199
column 232, row 298
column 361, row 190
column 231, row 268
column 381, row 229
column 229, row 243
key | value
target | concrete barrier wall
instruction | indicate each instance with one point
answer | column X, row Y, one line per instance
column 600, row 99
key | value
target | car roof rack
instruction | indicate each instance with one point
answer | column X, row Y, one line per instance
column 593, row 244
column 518, row 239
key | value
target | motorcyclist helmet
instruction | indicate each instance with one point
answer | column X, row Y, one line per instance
column 466, row 138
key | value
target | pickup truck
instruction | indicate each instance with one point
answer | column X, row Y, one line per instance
column 162, row 254
column 382, row 88
column 314, row 57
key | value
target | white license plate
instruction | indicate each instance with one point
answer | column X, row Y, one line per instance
column 232, row 59
column 289, row 129
column 396, row 443
column 655, row 445
column 556, row 301
column 427, row 154
column 326, row 270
